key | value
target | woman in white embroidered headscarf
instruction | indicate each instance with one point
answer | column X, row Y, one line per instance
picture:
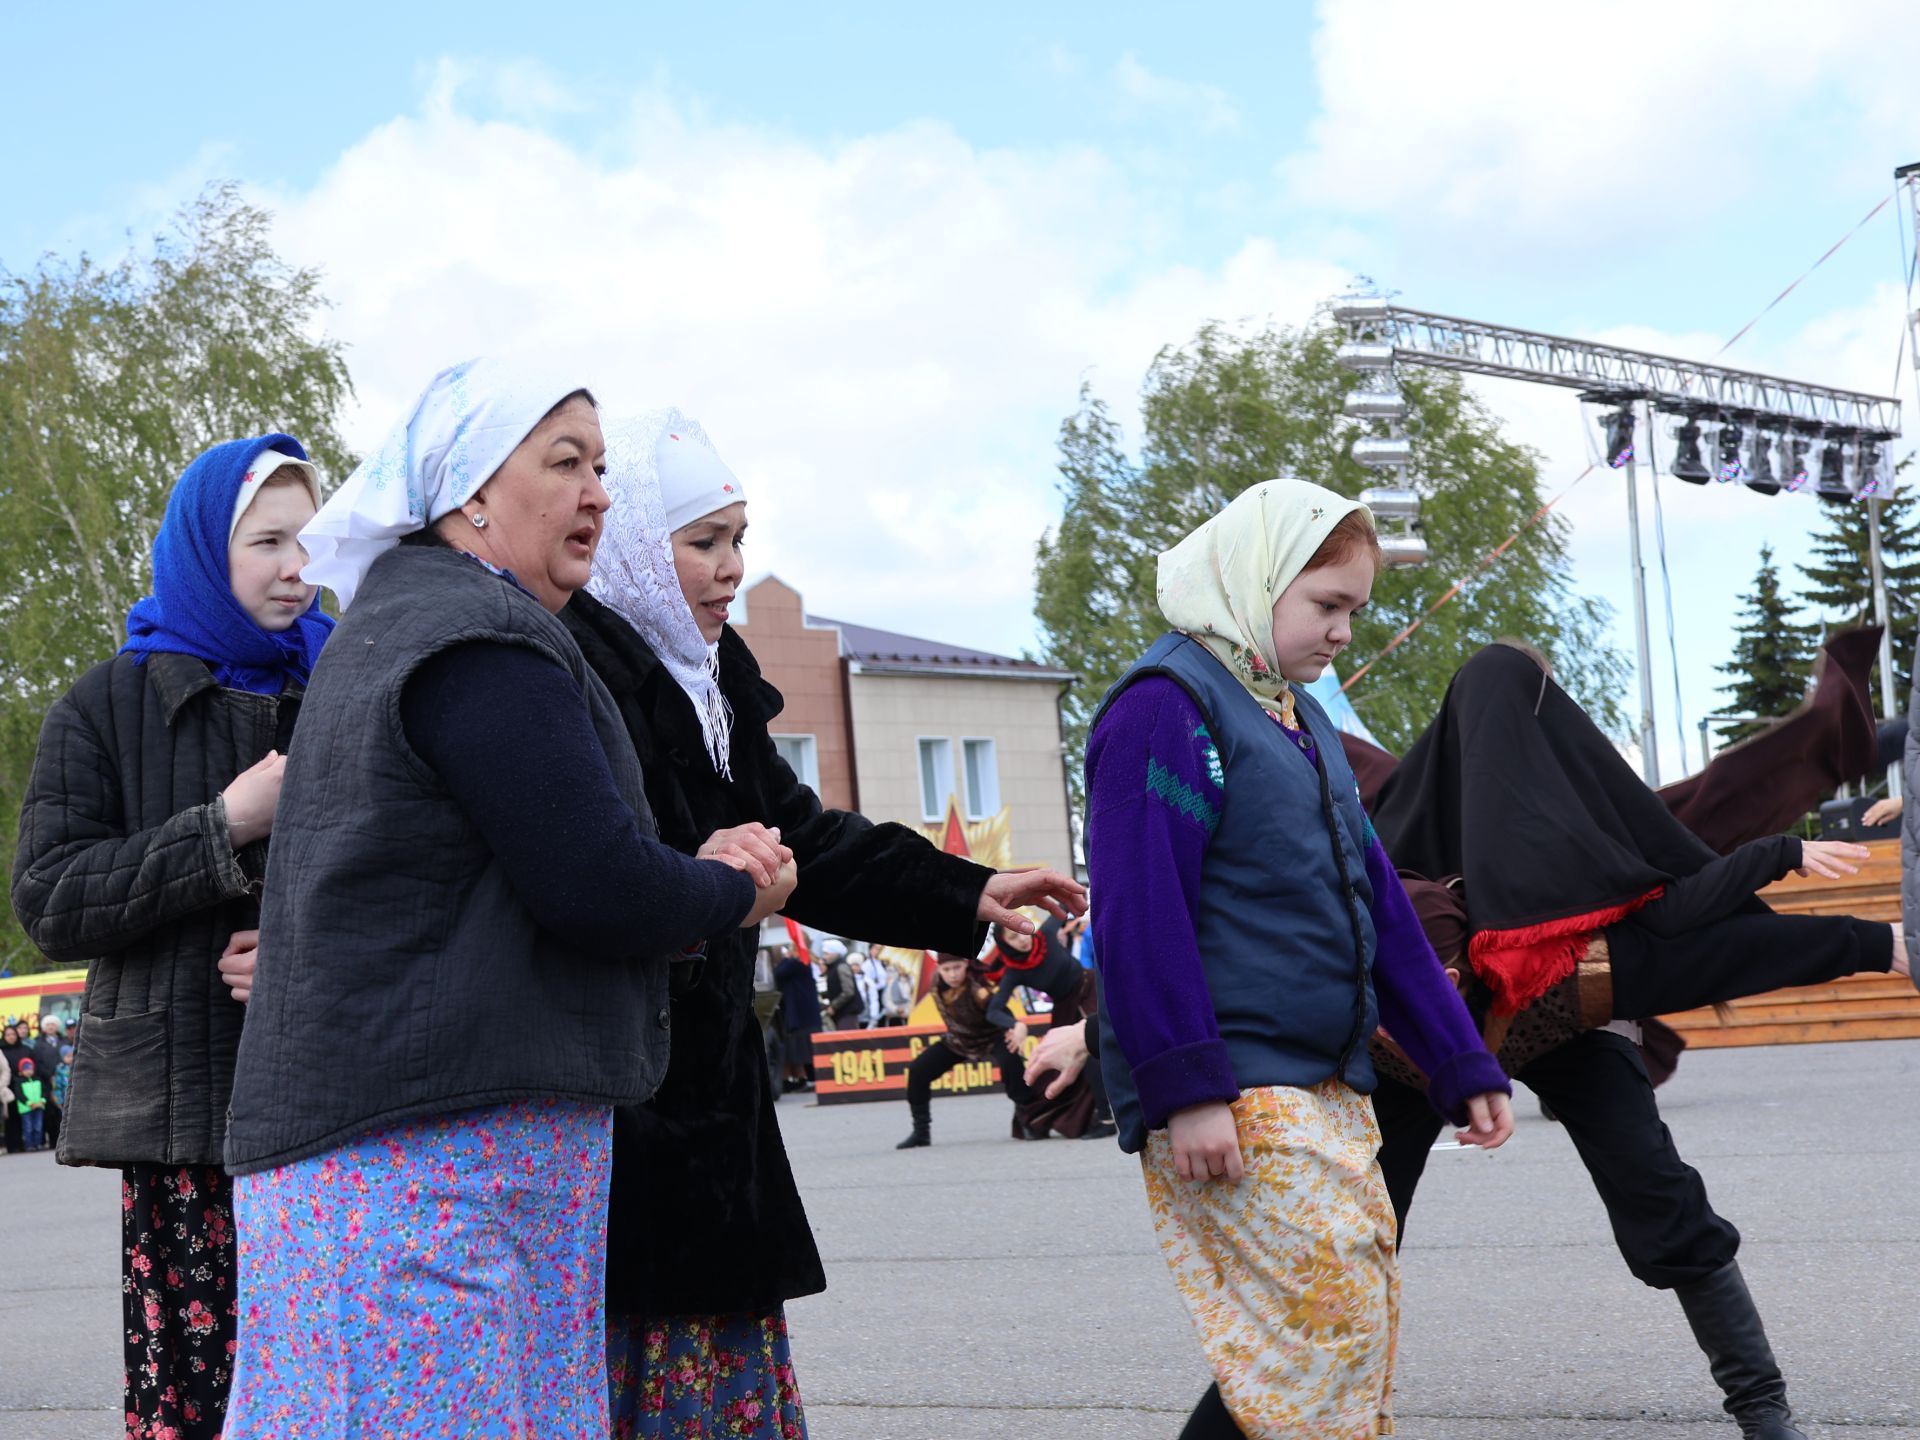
column 462, row 840
column 706, row 1235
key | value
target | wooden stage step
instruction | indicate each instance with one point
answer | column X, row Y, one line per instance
column 1858, row 1007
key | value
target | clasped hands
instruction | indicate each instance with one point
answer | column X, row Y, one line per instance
column 755, row 849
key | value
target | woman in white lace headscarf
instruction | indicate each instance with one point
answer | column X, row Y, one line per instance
column 706, row 1235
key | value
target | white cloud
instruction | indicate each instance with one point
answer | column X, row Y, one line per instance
column 881, row 334
column 1141, row 91
column 1518, row 121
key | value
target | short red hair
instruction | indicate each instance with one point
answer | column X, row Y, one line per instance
column 1354, row 534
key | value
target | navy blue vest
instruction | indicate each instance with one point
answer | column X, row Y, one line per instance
column 1285, row 929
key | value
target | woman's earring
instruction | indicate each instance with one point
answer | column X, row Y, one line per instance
column 479, row 521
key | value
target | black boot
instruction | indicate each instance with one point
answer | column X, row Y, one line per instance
column 1725, row 1322
column 918, row 1138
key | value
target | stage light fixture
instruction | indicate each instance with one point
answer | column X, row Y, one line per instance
column 1872, row 473
column 1620, row 437
column 1731, row 465
column 1760, row 471
column 1687, row 464
column 1383, row 452
column 1833, row 471
column 1793, row 454
column 1386, row 403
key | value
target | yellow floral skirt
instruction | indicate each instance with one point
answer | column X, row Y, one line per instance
column 1290, row 1275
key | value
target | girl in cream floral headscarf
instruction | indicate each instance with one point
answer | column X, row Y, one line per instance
column 1251, row 935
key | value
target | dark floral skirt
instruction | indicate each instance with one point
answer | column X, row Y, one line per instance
column 702, row 1377
column 177, row 1272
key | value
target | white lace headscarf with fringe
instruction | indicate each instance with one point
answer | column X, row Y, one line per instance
column 633, row 572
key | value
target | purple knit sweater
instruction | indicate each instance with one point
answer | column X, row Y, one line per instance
column 1154, row 786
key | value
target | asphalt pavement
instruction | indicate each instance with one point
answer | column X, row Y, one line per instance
column 986, row 1288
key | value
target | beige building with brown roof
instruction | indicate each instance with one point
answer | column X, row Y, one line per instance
column 899, row 728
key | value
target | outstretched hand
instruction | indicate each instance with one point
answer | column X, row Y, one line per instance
column 1831, row 859
column 1059, row 895
column 1881, row 811
column 1062, row 1051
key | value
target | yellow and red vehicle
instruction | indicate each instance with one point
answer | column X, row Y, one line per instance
column 25, row 998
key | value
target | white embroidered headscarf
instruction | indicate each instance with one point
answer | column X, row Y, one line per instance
column 461, row 429
column 1219, row 584
column 633, row 572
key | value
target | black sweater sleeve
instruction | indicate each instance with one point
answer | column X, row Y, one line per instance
column 1722, row 887
column 505, row 729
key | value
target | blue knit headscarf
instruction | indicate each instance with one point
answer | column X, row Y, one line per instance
column 192, row 610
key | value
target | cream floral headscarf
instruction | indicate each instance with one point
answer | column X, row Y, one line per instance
column 1219, row 584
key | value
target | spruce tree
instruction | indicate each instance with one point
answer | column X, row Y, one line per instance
column 1772, row 655
column 1839, row 577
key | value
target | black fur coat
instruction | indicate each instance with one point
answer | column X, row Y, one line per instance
column 705, row 1218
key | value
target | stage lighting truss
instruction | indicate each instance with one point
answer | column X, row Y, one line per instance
column 1394, row 503
column 1728, row 425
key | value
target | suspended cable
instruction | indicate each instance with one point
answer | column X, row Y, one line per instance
column 1809, row 270
column 1454, row 589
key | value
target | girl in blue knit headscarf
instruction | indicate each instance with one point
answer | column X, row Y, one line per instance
column 144, row 845
column 226, row 569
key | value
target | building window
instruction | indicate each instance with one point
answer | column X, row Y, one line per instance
column 983, row 779
column 936, row 777
column 802, row 757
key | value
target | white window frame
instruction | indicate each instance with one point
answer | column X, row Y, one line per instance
column 991, row 808
column 809, row 767
column 942, row 787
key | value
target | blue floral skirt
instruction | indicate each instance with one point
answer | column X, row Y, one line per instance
column 442, row 1277
column 703, row 1377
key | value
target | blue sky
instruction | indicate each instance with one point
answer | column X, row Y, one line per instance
column 878, row 252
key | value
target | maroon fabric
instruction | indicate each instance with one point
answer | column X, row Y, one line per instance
column 1765, row 784
column 1442, row 915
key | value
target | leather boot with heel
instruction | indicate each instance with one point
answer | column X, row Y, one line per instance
column 918, row 1138
column 1724, row 1319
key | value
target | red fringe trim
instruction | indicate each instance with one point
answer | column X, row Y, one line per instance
column 1522, row 964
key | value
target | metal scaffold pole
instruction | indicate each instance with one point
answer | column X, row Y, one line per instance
column 1907, row 177
column 1649, row 744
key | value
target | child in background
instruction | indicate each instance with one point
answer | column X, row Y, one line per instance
column 1250, row 936
column 63, row 1077
column 32, row 1106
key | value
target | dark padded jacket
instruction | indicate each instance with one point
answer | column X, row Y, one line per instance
column 124, row 865
column 388, row 918
column 704, row 1216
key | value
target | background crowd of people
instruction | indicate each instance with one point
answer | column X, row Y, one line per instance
column 36, row 1069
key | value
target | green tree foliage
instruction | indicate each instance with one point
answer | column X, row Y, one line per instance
column 1772, row 655
column 1839, row 577
column 113, row 377
column 1228, row 410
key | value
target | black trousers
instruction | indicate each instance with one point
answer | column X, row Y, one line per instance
column 940, row 1057
column 1598, row 1088
column 1740, row 955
